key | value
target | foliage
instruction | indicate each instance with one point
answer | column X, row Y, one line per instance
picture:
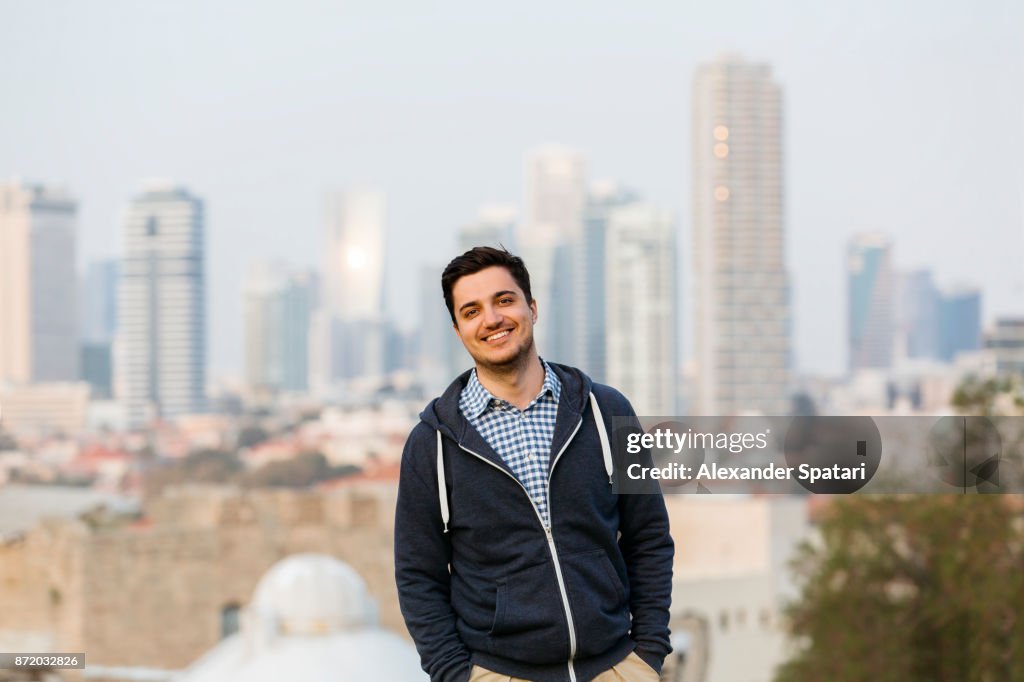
column 911, row 589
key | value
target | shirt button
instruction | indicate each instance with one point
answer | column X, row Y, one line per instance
column 531, row 457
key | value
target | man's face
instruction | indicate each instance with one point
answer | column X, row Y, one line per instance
column 493, row 318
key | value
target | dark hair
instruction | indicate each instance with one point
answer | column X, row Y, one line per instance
column 479, row 258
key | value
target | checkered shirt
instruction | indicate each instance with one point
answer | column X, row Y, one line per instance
column 521, row 437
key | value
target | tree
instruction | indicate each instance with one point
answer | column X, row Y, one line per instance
column 911, row 589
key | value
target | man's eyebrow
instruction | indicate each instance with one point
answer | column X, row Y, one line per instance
column 497, row 294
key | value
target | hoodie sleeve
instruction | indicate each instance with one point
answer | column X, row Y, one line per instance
column 423, row 553
column 648, row 549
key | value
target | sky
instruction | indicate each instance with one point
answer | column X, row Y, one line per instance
column 905, row 118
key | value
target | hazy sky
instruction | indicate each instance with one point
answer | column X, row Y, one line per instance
column 907, row 118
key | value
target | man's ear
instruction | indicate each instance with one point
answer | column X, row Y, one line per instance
column 533, row 309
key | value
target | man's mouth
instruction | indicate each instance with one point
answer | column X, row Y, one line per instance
column 497, row 336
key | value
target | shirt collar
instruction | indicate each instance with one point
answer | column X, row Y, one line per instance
column 477, row 398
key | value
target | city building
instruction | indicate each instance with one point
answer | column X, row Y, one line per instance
column 161, row 359
column 742, row 317
column 98, row 325
column 44, row 409
column 38, row 287
column 589, row 266
column 552, row 228
column 277, row 306
column 494, row 226
column 640, row 306
column 871, row 294
column 959, row 322
column 1004, row 344
column 352, row 300
column 916, row 315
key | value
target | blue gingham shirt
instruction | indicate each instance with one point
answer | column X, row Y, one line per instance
column 521, row 437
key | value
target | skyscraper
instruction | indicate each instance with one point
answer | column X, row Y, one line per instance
column 276, row 307
column 494, row 226
column 590, row 271
column 38, row 288
column 959, row 321
column 640, row 286
column 353, row 287
column 98, row 325
column 161, row 363
column 742, row 330
column 871, row 291
column 552, row 228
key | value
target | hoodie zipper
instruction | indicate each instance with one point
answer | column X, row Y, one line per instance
column 551, row 539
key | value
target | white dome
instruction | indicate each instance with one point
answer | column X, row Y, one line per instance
column 313, row 594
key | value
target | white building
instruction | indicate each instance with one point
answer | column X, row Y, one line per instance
column 351, row 318
column 312, row 619
column 161, row 363
column 742, row 332
column 552, row 228
column 38, row 287
column 640, row 310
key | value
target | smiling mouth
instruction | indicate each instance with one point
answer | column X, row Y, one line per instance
column 498, row 336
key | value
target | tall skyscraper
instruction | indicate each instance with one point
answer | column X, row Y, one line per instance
column 640, row 300
column 161, row 363
column 742, row 330
column 353, row 287
column 916, row 315
column 872, row 293
column 38, row 287
column 959, row 321
column 277, row 305
column 98, row 325
column 590, row 271
column 552, row 228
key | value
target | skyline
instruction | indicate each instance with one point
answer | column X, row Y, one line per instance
column 898, row 120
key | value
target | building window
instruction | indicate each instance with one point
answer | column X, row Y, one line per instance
column 229, row 619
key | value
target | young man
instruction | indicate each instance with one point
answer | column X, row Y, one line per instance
column 514, row 558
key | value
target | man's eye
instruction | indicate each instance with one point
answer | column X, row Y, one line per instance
column 470, row 313
column 505, row 300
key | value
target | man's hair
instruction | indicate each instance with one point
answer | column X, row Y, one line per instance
column 479, row 258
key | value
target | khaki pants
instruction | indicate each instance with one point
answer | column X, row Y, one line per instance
column 630, row 669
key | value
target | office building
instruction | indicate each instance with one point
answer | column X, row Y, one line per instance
column 641, row 307
column 161, row 363
column 277, row 306
column 742, row 315
column 38, row 287
column 871, row 291
column 959, row 322
column 555, row 181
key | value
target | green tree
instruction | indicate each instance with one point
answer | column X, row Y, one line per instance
column 911, row 589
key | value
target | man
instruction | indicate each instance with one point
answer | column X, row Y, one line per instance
column 514, row 558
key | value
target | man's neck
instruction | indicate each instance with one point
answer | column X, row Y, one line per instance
column 518, row 384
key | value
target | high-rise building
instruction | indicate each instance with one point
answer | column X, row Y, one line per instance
column 589, row 267
column 959, row 321
column 353, row 287
column 640, row 299
column 38, row 287
column 742, row 330
column 1004, row 343
column 161, row 358
column 98, row 325
column 916, row 315
column 552, row 229
column 276, row 307
column 871, row 289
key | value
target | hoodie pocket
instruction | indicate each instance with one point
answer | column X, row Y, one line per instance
column 529, row 619
column 599, row 603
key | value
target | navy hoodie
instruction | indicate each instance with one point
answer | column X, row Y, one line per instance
column 493, row 586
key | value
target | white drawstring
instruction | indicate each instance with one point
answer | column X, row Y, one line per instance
column 602, row 433
column 442, row 492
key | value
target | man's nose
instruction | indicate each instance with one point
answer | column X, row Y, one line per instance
column 492, row 317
